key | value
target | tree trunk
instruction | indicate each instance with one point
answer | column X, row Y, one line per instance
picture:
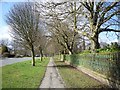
column 59, row 55
column 41, row 56
column 70, row 51
column 83, row 43
column 95, row 43
column 41, row 53
column 64, row 57
column 33, row 55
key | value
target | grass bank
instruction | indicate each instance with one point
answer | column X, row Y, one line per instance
column 76, row 79
column 23, row 74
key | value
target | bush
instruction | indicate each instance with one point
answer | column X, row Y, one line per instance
column 4, row 49
column 74, row 59
column 18, row 56
column 86, row 51
column 5, row 54
column 11, row 55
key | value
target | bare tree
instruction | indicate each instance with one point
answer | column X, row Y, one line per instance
column 18, row 49
column 60, row 27
column 90, row 18
column 5, row 42
column 41, row 42
column 100, row 17
column 24, row 20
column 63, row 35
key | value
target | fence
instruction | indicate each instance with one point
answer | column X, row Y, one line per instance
column 107, row 64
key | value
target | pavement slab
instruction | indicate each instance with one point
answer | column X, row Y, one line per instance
column 52, row 78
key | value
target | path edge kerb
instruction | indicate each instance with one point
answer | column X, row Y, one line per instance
column 59, row 74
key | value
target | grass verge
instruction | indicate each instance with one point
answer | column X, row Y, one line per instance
column 0, row 77
column 23, row 74
column 76, row 79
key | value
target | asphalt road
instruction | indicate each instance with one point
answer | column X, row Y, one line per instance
column 8, row 61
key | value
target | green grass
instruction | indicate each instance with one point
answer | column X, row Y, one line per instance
column 0, row 78
column 76, row 79
column 23, row 74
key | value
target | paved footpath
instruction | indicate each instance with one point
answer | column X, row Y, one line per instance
column 52, row 78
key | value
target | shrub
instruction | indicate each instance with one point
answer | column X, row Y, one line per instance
column 74, row 59
column 11, row 55
column 4, row 49
column 6, row 54
column 86, row 51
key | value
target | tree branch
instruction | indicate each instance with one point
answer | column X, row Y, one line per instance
column 110, row 16
column 107, row 29
column 86, row 6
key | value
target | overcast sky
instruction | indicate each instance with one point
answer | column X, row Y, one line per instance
column 6, row 5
